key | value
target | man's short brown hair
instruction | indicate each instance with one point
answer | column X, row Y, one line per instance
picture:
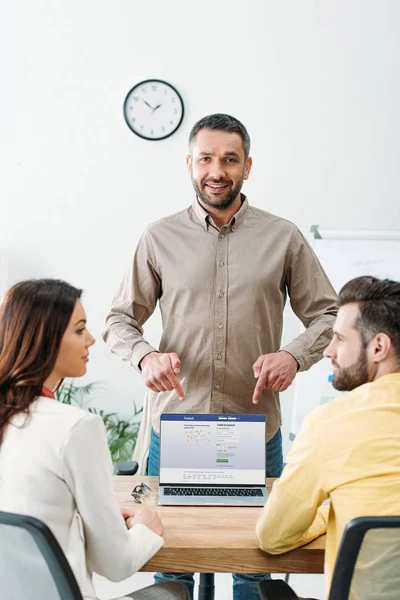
column 379, row 307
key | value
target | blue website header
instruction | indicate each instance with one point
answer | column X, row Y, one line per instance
column 213, row 417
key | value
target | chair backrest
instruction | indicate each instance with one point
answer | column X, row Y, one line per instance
column 32, row 564
column 368, row 562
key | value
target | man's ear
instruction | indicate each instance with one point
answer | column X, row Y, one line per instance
column 247, row 167
column 380, row 347
column 189, row 162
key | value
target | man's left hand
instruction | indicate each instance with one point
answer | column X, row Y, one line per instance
column 274, row 372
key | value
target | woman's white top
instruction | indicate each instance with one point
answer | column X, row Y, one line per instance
column 55, row 465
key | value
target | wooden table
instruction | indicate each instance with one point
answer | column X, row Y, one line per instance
column 216, row 539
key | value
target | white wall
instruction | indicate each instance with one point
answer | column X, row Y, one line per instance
column 316, row 83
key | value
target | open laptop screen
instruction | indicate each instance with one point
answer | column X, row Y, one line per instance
column 212, row 449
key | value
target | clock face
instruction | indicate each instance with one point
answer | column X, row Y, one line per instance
column 153, row 109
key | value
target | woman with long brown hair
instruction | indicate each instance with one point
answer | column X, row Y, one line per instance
column 54, row 459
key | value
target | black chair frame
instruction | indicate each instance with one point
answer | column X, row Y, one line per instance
column 50, row 549
column 348, row 552
column 349, row 549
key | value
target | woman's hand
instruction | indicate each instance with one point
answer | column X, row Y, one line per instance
column 127, row 514
column 147, row 517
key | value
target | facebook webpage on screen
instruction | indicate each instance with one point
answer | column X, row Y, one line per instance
column 216, row 449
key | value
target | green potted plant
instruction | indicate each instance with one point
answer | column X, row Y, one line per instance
column 121, row 433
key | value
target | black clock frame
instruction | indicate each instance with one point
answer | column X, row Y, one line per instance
column 145, row 137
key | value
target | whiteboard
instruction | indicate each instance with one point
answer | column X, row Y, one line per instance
column 344, row 254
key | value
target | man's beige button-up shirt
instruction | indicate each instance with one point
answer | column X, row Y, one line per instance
column 221, row 294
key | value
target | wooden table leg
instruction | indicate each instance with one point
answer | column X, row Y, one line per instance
column 206, row 587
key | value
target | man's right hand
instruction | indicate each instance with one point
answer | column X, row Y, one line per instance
column 147, row 517
column 159, row 372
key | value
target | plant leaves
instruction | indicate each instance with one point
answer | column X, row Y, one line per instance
column 121, row 433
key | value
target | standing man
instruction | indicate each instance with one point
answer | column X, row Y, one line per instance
column 221, row 271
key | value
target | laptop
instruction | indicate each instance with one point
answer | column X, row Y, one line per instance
column 212, row 460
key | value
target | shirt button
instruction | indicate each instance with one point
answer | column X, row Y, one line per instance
column 221, row 236
column 233, row 228
column 217, row 387
column 221, row 263
column 219, row 356
column 221, row 294
column 220, row 326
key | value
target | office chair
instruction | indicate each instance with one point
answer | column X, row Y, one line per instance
column 126, row 467
column 32, row 564
column 367, row 565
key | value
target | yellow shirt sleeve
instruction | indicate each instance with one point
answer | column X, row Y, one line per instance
column 293, row 515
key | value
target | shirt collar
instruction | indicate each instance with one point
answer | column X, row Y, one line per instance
column 207, row 221
column 46, row 392
column 389, row 377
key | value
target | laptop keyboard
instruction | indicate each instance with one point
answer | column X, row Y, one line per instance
column 174, row 491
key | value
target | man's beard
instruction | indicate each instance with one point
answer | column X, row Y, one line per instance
column 224, row 202
column 348, row 378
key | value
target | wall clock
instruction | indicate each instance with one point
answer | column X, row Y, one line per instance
column 153, row 109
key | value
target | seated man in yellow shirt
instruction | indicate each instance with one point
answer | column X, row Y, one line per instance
column 347, row 450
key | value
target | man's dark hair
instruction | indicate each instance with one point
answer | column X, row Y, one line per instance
column 221, row 122
column 379, row 308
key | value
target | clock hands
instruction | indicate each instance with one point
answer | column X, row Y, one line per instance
column 153, row 108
